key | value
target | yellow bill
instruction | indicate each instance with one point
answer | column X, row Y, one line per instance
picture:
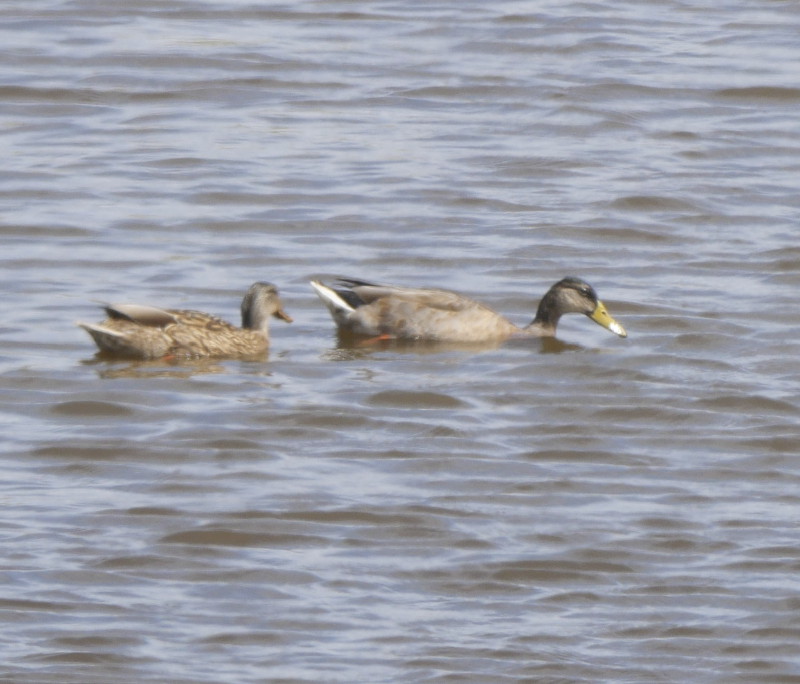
column 600, row 315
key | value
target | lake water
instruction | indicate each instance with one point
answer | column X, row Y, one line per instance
column 592, row 509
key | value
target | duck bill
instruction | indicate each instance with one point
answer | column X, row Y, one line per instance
column 280, row 313
column 600, row 316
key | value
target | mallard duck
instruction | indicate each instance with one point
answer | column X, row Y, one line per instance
column 389, row 311
column 151, row 333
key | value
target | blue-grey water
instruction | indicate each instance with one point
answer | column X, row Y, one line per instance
column 582, row 511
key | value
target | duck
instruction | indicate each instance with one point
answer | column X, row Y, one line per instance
column 147, row 332
column 407, row 313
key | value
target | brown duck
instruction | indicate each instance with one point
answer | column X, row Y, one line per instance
column 389, row 311
column 150, row 333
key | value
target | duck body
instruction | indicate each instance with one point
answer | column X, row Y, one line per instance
column 364, row 308
column 149, row 332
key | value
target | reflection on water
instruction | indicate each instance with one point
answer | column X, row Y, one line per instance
column 350, row 346
column 578, row 509
column 110, row 366
column 544, row 345
column 345, row 340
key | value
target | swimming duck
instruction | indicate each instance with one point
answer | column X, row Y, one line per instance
column 388, row 311
column 150, row 333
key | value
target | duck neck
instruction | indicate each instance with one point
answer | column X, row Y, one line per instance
column 255, row 319
column 547, row 316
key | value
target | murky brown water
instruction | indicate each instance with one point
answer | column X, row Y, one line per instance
column 589, row 510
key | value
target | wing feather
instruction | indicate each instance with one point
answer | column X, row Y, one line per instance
column 139, row 313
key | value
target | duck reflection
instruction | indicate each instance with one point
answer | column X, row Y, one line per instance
column 110, row 366
column 350, row 346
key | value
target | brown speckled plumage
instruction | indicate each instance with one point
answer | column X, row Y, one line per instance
column 365, row 308
column 148, row 332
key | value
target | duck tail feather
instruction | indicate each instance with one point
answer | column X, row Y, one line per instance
column 334, row 300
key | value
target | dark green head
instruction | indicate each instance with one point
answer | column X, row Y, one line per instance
column 573, row 295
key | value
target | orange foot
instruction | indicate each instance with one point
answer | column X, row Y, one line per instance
column 374, row 340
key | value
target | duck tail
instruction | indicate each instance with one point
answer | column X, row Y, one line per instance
column 335, row 303
column 106, row 339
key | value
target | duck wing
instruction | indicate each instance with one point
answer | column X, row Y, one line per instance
column 149, row 316
column 433, row 298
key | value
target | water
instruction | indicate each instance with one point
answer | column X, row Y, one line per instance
column 582, row 510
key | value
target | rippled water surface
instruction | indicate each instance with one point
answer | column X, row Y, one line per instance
column 590, row 509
